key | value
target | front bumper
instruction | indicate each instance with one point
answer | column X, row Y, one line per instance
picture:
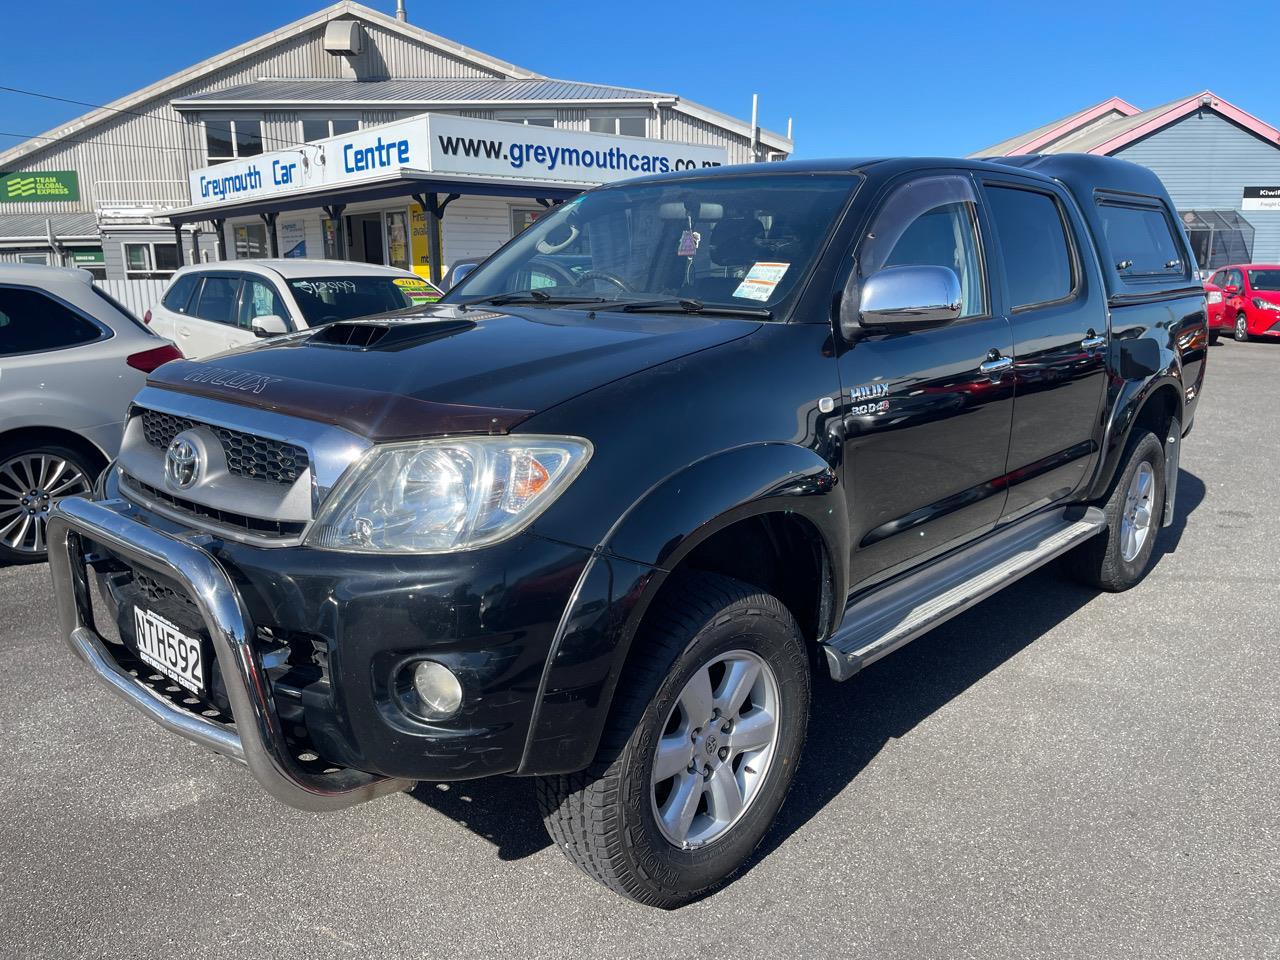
column 327, row 732
column 257, row 738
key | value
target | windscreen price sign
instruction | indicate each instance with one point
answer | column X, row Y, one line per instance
column 1261, row 198
column 37, row 186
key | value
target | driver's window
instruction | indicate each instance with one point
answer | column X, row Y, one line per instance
column 929, row 222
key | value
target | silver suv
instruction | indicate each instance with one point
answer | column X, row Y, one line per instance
column 71, row 359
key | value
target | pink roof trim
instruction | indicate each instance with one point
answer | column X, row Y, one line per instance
column 1182, row 109
column 1067, row 126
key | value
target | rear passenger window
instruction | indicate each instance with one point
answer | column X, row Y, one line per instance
column 178, row 296
column 1140, row 240
column 1033, row 240
column 30, row 322
column 216, row 300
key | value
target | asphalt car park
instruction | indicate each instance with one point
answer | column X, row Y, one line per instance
column 1053, row 773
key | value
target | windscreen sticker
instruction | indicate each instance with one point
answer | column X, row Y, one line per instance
column 689, row 241
column 760, row 281
column 418, row 290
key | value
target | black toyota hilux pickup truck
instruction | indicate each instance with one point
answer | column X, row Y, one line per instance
column 598, row 516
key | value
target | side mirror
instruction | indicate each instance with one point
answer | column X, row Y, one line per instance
column 903, row 298
column 269, row 326
column 1230, row 289
column 460, row 273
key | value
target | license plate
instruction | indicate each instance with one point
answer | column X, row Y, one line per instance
column 169, row 650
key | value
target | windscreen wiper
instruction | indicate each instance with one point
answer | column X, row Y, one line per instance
column 516, row 296
column 690, row 305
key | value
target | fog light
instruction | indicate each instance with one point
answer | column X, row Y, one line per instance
column 439, row 692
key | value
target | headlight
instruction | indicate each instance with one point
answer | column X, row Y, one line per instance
column 1215, row 296
column 435, row 496
column 1265, row 304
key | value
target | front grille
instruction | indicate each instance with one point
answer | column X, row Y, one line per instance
column 258, row 458
column 160, row 591
column 257, row 525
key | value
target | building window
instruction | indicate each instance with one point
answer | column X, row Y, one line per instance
column 34, row 258
column 251, row 240
column 150, row 261
column 232, row 139
column 1218, row 237
column 621, row 126
column 319, row 128
column 529, row 121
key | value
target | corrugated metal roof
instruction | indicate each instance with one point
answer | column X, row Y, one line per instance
column 31, row 226
column 424, row 91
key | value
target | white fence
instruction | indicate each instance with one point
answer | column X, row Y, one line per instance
column 138, row 295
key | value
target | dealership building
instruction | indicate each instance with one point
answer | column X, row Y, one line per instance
column 348, row 134
column 1220, row 165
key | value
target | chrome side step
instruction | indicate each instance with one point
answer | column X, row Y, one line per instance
column 879, row 623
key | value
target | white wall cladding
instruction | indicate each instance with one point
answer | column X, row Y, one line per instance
column 686, row 129
column 1205, row 162
column 155, row 142
column 477, row 226
column 388, row 54
column 574, row 118
column 138, row 295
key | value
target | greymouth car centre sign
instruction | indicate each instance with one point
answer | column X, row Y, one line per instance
column 453, row 145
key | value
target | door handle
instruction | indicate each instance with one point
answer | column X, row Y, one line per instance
column 1092, row 341
column 995, row 365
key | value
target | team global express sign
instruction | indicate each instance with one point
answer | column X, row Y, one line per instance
column 38, row 186
column 453, row 145
column 1261, row 198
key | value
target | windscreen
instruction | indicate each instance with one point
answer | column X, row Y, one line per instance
column 745, row 242
column 326, row 299
column 1265, row 281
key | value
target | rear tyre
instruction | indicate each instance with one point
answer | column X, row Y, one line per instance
column 700, row 747
column 1118, row 559
column 32, row 479
column 1241, row 332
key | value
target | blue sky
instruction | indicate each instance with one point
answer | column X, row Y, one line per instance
column 858, row 78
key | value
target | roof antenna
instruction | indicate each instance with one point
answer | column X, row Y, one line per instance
column 400, row 14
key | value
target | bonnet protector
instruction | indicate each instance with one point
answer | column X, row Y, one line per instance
column 373, row 414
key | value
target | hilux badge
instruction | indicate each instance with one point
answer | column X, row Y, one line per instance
column 182, row 463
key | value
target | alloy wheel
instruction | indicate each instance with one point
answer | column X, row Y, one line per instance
column 716, row 748
column 1135, row 521
column 29, row 485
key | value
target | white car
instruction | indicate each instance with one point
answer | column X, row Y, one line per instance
column 213, row 307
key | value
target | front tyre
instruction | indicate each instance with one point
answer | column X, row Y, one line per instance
column 1118, row 559
column 700, row 750
column 1241, row 331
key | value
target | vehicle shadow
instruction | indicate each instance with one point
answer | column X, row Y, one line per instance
column 850, row 722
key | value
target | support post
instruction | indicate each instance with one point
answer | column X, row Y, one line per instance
column 273, row 241
column 195, row 244
column 220, row 242
column 177, row 237
column 433, row 210
column 334, row 213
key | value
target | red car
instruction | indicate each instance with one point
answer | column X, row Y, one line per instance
column 1250, row 299
column 1218, row 321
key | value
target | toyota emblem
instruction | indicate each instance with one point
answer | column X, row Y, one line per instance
column 182, row 463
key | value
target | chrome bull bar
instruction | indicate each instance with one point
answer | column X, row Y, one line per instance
column 258, row 738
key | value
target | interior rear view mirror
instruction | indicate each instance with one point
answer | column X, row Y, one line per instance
column 903, row 298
